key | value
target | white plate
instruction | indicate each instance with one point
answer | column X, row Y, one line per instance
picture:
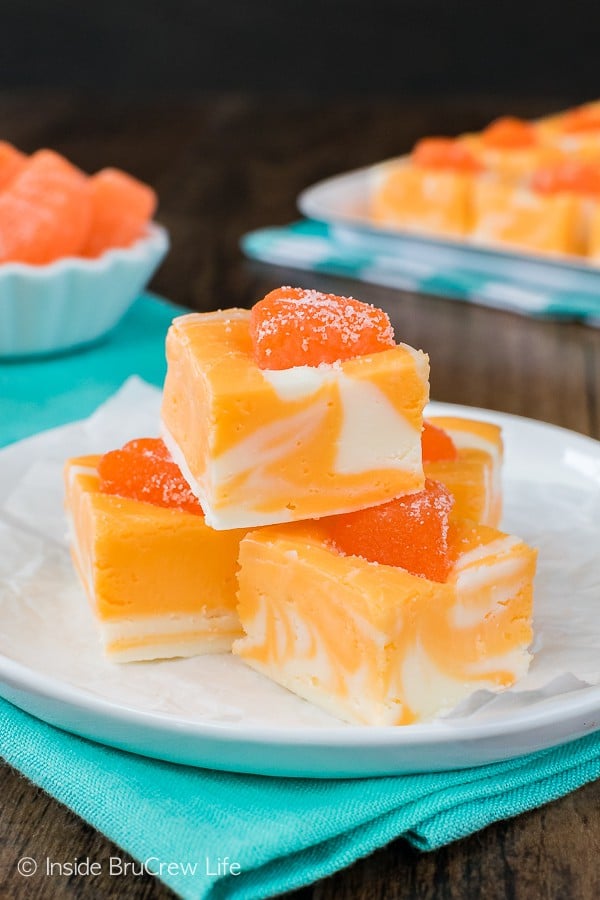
column 212, row 711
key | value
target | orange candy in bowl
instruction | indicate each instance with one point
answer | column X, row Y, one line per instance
column 75, row 251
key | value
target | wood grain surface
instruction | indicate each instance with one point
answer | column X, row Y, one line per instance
column 223, row 165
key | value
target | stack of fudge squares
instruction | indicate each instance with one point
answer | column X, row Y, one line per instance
column 300, row 513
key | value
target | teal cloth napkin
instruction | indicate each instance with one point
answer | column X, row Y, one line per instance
column 282, row 833
column 475, row 275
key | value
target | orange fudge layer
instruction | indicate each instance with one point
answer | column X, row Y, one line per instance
column 259, row 447
column 371, row 643
column 519, row 217
column 435, row 201
column 474, row 478
column 160, row 582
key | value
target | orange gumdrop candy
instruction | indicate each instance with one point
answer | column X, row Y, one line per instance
column 12, row 162
column 122, row 207
column 297, row 327
column 144, row 470
column 509, row 133
column 45, row 211
column 436, row 443
column 570, row 175
column 410, row 532
column 444, row 153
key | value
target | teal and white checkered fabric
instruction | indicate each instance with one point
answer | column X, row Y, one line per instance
column 504, row 281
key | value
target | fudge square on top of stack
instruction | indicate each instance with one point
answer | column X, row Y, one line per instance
column 261, row 446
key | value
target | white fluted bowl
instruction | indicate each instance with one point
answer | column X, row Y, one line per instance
column 73, row 301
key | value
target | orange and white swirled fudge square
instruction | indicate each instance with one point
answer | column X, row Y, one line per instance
column 509, row 148
column 428, row 192
column 377, row 644
column 302, row 408
column 160, row 582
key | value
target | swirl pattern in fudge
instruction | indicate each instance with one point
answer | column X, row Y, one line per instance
column 374, row 644
column 259, row 446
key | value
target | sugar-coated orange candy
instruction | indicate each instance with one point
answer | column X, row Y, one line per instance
column 444, row 153
column 297, row 327
column 45, row 211
column 12, row 161
column 436, row 443
column 509, row 133
column 122, row 206
column 410, row 532
column 144, row 470
column 570, row 175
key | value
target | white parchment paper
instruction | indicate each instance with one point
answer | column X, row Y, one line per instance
column 552, row 499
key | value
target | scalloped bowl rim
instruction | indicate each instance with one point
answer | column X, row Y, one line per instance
column 156, row 238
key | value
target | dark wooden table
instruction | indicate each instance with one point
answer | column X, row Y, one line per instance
column 224, row 165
